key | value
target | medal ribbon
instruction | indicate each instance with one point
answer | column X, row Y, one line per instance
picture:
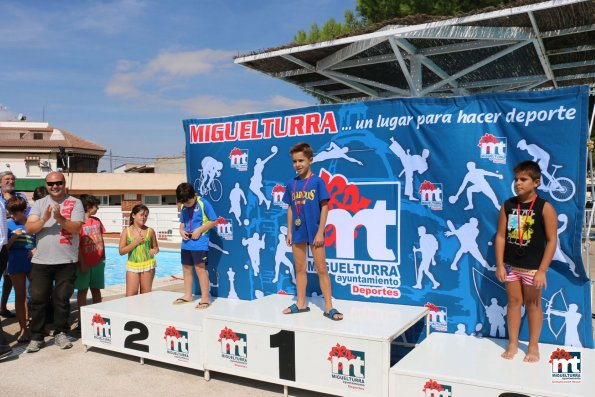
column 299, row 208
column 522, row 229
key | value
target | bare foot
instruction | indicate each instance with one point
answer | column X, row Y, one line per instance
column 532, row 355
column 510, row 351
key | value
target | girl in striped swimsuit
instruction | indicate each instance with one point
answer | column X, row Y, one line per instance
column 140, row 243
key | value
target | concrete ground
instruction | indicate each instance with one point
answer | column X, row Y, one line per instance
column 54, row 372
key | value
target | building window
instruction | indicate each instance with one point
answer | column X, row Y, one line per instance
column 130, row 196
column 169, row 199
column 152, row 200
column 38, row 135
column 115, row 199
column 103, row 200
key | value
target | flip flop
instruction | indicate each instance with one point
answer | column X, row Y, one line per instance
column 332, row 313
column 23, row 339
column 202, row 305
column 7, row 314
column 181, row 301
column 295, row 309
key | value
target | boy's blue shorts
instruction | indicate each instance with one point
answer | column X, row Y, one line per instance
column 191, row 257
column 19, row 261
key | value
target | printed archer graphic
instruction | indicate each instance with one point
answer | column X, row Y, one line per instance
column 256, row 180
column 476, row 179
column 467, row 235
column 235, row 196
column 335, row 151
column 411, row 163
column 571, row 317
column 428, row 246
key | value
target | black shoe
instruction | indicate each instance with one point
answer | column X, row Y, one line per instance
column 7, row 314
column 5, row 351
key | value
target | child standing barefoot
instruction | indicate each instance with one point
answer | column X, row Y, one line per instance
column 308, row 197
column 140, row 243
column 525, row 245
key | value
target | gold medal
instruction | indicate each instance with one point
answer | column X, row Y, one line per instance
column 298, row 222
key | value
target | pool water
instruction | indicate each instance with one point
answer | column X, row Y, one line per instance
column 168, row 263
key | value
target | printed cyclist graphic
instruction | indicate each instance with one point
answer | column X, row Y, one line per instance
column 207, row 182
column 560, row 188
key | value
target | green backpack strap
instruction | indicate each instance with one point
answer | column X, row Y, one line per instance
column 205, row 218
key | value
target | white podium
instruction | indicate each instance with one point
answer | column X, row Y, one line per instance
column 150, row 326
column 446, row 365
column 307, row 350
column 254, row 339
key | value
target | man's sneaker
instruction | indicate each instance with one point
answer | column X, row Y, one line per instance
column 62, row 341
column 5, row 351
column 34, row 346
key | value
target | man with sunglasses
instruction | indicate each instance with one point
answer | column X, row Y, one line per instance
column 56, row 220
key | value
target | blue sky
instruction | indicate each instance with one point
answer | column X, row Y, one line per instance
column 124, row 74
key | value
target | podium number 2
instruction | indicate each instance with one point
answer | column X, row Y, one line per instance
column 285, row 341
column 131, row 341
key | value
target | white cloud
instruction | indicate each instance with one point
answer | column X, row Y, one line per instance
column 5, row 114
column 211, row 106
column 133, row 79
column 148, row 83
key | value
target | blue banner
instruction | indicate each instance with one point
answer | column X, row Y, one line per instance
column 416, row 185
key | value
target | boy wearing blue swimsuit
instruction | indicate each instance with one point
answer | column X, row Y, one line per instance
column 307, row 197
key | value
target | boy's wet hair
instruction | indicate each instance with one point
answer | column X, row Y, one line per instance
column 302, row 147
column 529, row 167
column 16, row 204
column 185, row 192
column 89, row 201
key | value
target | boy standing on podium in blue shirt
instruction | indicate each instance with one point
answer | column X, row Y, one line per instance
column 197, row 217
column 307, row 197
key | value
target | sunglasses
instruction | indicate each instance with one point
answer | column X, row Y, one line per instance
column 57, row 183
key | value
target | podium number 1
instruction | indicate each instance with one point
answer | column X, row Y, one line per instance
column 131, row 341
column 285, row 341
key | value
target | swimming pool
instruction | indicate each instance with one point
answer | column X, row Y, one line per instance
column 168, row 263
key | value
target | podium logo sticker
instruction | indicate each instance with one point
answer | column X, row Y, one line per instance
column 438, row 317
column 225, row 228
column 234, row 347
column 102, row 330
column 238, row 159
column 431, row 195
column 566, row 366
column 348, row 366
column 278, row 193
column 176, row 343
column 435, row 389
column 493, row 148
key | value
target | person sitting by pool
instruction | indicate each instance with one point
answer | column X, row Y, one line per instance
column 91, row 269
column 140, row 243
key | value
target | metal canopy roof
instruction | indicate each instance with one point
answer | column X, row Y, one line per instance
column 541, row 45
